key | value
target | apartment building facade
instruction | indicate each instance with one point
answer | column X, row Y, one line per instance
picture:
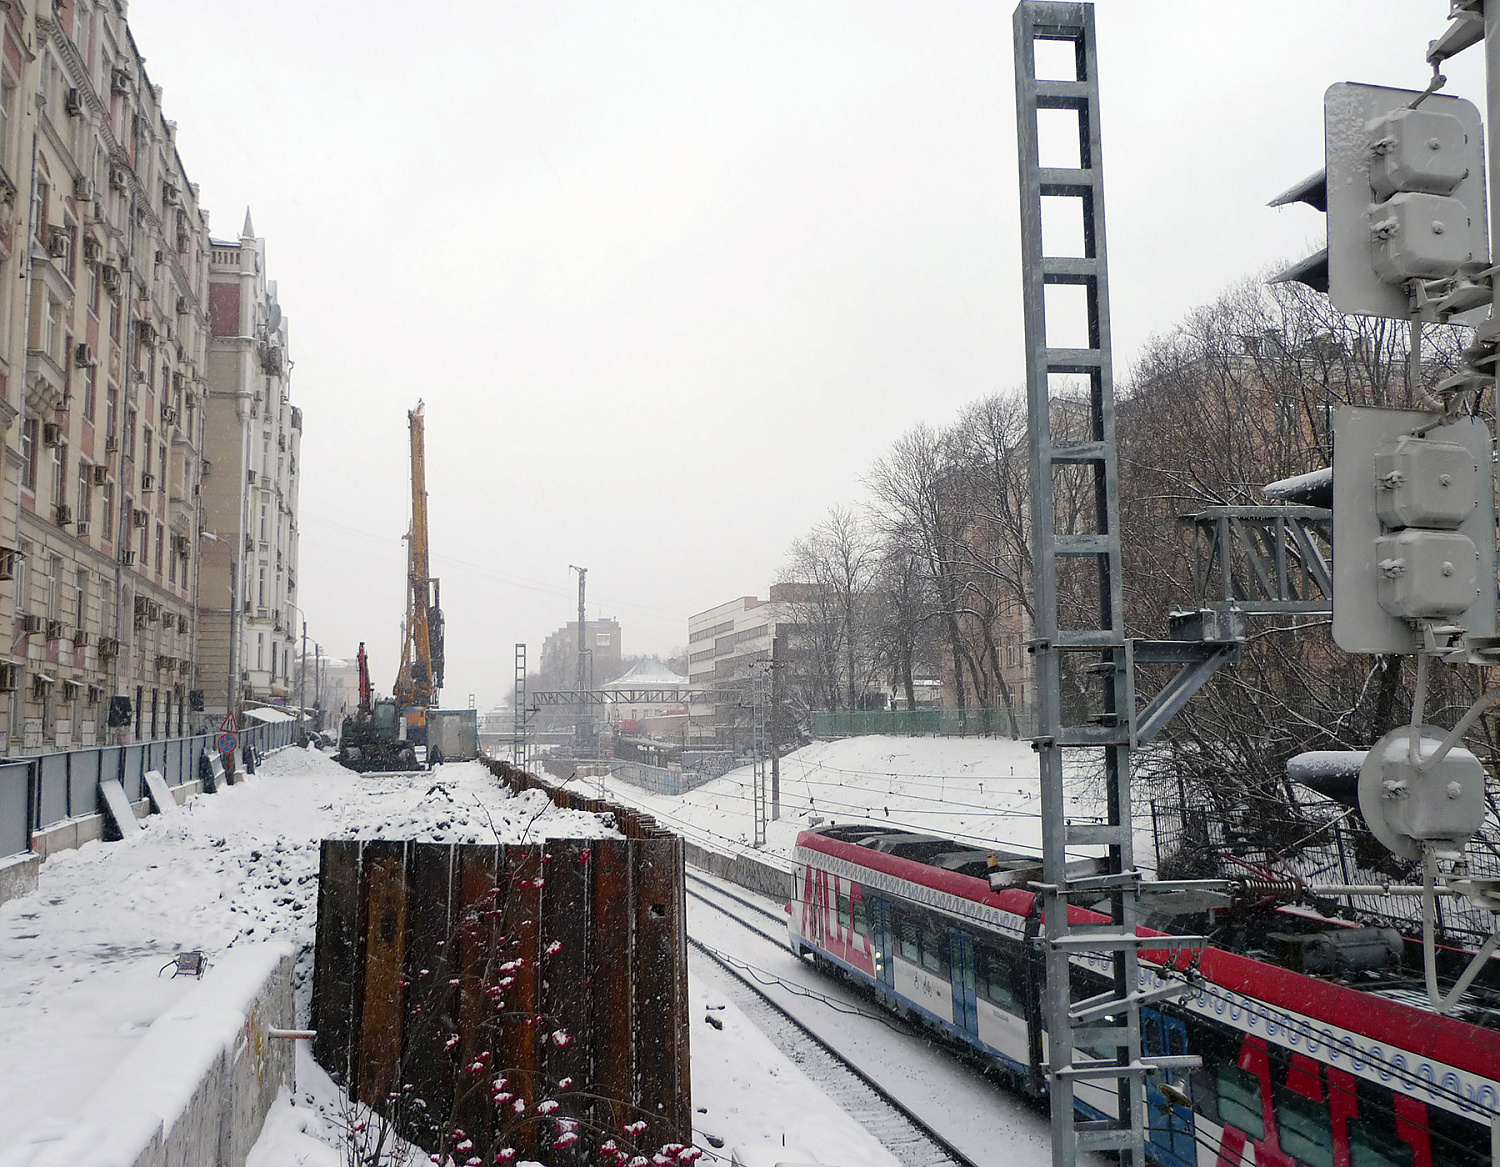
column 726, row 644
column 103, row 341
column 249, row 613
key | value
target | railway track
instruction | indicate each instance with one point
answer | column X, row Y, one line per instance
column 899, row 1129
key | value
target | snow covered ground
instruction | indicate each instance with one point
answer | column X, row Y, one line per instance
column 81, row 960
column 979, row 790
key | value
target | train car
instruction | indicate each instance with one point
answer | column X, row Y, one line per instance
column 1324, row 1071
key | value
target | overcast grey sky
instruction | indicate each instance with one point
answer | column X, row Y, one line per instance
column 671, row 275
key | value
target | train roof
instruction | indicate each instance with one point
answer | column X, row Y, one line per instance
column 929, row 850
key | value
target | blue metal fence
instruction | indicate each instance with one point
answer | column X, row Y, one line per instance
column 38, row 792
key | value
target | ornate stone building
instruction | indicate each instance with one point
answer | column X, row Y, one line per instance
column 104, row 270
column 252, row 445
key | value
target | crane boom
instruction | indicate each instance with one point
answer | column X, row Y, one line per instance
column 421, row 674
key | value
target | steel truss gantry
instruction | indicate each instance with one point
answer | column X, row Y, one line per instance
column 1097, row 1040
column 518, row 738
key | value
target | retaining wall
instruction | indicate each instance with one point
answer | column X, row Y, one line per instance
column 197, row 1087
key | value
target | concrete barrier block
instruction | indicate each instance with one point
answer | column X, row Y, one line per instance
column 18, row 875
column 198, row 1085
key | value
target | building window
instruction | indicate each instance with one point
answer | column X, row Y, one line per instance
column 28, row 453
column 146, row 449
column 129, row 442
column 264, row 507
column 262, row 603
column 260, row 650
column 111, row 409
column 85, row 492
column 59, row 472
column 159, row 535
column 106, row 518
column 7, row 108
column 81, row 605
column 601, row 640
column 23, row 577
column 52, row 329
column 54, row 582
column 88, row 393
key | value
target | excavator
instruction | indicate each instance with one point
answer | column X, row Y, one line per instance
column 421, row 674
column 371, row 737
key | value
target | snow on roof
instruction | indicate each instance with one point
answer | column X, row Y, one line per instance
column 649, row 674
column 270, row 716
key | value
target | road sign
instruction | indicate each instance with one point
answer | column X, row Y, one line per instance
column 229, row 741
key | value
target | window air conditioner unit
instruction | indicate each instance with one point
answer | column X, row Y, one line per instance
column 33, row 625
column 139, row 518
column 70, row 690
column 281, row 441
column 148, row 482
column 109, row 646
column 74, row 102
column 127, row 558
column 93, row 251
column 9, row 674
column 92, row 694
column 39, row 686
column 183, row 308
column 182, row 626
column 83, row 355
column 111, row 444
column 57, row 243
column 140, row 605
column 83, row 528
column 170, row 194
column 101, row 475
column 168, row 414
column 83, row 187
column 250, row 477
column 119, row 82
column 51, row 434
column 64, row 514
column 168, row 619
column 109, row 276
column 54, row 629
column 8, row 563
column 80, row 638
column 153, row 609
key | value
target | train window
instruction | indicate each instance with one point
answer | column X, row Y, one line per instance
column 1457, row 1141
column 1306, row 1129
column 843, row 911
column 995, row 980
column 1238, row 1092
column 1369, row 1146
column 935, row 950
column 910, row 948
column 861, row 920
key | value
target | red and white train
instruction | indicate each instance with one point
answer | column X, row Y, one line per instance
column 1297, row 1068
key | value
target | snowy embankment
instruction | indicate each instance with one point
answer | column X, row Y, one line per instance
column 81, row 959
column 983, row 791
column 82, row 975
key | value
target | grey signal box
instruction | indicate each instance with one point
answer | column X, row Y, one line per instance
column 1405, row 194
column 1413, row 528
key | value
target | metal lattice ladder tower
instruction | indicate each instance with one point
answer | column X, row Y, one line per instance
column 518, row 724
column 758, row 750
column 1097, row 1040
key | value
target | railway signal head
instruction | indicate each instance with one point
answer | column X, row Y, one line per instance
column 1403, row 189
column 1413, row 529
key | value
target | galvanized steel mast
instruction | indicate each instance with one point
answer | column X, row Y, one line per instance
column 1096, row 1041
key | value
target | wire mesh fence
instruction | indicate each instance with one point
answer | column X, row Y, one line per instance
column 981, row 722
column 1318, row 841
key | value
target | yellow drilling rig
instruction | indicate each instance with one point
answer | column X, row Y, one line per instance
column 421, row 674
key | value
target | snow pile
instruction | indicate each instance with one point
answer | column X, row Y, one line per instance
column 82, row 959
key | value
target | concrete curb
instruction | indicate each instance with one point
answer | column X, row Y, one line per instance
column 197, row 1087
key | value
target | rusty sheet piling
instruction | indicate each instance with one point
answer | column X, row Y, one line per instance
column 531, row 997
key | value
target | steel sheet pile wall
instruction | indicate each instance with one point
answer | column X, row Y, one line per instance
column 558, row 967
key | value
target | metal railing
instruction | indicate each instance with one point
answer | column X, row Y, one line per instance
column 41, row 791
